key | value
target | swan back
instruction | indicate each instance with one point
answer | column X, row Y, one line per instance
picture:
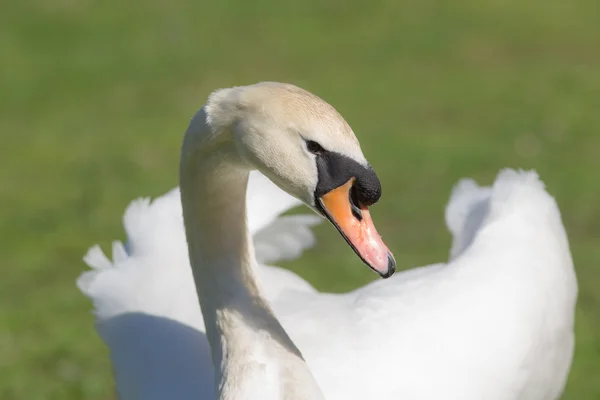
column 495, row 322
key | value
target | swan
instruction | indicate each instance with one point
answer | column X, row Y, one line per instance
column 493, row 322
column 252, row 355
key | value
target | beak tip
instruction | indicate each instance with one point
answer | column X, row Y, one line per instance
column 391, row 267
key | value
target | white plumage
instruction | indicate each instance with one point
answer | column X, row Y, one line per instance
column 493, row 323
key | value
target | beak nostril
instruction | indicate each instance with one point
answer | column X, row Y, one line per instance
column 354, row 204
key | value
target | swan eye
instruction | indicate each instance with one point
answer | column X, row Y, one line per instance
column 314, row 147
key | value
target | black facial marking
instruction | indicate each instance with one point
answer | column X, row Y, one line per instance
column 336, row 169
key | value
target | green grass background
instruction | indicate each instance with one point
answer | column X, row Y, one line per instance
column 95, row 96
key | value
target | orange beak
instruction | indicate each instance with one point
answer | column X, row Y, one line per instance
column 353, row 220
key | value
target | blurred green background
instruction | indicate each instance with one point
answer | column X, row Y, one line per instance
column 95, row 96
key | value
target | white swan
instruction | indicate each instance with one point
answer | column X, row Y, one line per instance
column 495, row 322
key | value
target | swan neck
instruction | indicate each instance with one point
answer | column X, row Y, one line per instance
column 250, row 350
column 221, row 252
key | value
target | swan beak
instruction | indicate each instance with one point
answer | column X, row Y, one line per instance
column 354, row 222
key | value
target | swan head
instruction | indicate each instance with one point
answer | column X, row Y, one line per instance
column 305, row 147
